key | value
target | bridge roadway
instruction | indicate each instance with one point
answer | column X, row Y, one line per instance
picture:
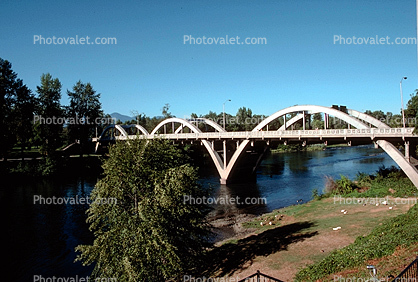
column 320, row 134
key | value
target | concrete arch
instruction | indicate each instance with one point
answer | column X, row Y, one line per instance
column 139, row 127
column 400, row 160
column 292, row 121
column 210, row 122
column 217, row 160
column 118, row 127
column 354, row 118
column 183, row 122
column 312, row 108
column 373, row 121
column 362, row 116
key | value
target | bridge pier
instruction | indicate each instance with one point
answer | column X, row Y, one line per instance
column 407, row 150
column 242, row 165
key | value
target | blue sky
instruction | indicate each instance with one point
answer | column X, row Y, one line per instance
column 150, row 65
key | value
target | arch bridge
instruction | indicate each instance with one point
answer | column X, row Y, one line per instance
column 237, row 154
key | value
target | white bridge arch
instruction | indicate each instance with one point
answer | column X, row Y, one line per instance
column 242, row 143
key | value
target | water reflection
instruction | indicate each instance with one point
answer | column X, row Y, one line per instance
column 46, row 234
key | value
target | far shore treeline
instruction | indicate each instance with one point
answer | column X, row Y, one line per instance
column 34, row 124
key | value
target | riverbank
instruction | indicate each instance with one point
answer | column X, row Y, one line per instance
column 284, row 241
column 61, row 166
column 282, row 148
column 301, row 241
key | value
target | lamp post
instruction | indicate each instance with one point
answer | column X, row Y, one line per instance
column 229, row 100
column 403, row 112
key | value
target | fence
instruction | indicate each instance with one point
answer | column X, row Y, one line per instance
column 260, row 277
column 410, row 273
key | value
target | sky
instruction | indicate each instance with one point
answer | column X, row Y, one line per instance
column 150, row 64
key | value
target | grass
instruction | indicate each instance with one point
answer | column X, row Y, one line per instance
column 263, row 222
column 389, row 235
column 383, row 240
column 387, row 266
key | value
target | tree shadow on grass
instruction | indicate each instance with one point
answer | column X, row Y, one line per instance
column 228, row 258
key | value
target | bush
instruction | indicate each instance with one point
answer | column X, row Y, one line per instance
column 345, row 186
column 316, row 195
column 342, row 186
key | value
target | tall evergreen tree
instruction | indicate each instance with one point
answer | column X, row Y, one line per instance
column 244, row 119
column 49, row 109
column 16, row 109
column 149, row 232
column 23, row 114
column 84, row 110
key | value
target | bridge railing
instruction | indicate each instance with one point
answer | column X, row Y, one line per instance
column 337, row 133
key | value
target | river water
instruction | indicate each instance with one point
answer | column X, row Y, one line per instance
column 40, row 238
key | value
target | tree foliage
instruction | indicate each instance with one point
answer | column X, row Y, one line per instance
column 85, row 110
column 49, row 107
column 317, row 121
column 16, row 109
column 411, row 111
column 244, row 119
column 150, row 234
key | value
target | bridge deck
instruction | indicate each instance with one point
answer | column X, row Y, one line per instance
column 371, row 133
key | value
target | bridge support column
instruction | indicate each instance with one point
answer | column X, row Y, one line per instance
column 224, row 148
column 325, row 121
column 304, row 120
column 407, row 150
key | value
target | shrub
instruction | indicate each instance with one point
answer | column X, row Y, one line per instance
column 345, row 185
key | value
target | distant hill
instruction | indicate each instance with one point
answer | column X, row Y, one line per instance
column 121, row 117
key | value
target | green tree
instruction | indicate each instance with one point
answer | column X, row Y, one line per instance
column 149, row 233
column 395, row 120
column 16, row 109
column 165, row 111
column 49, row 113
column 317, row 121
column 275, row 124
column 411, row 111
column 244, row 119
column 23, row 111
column 84, row 110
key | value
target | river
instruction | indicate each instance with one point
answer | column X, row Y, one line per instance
column 40, row 238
